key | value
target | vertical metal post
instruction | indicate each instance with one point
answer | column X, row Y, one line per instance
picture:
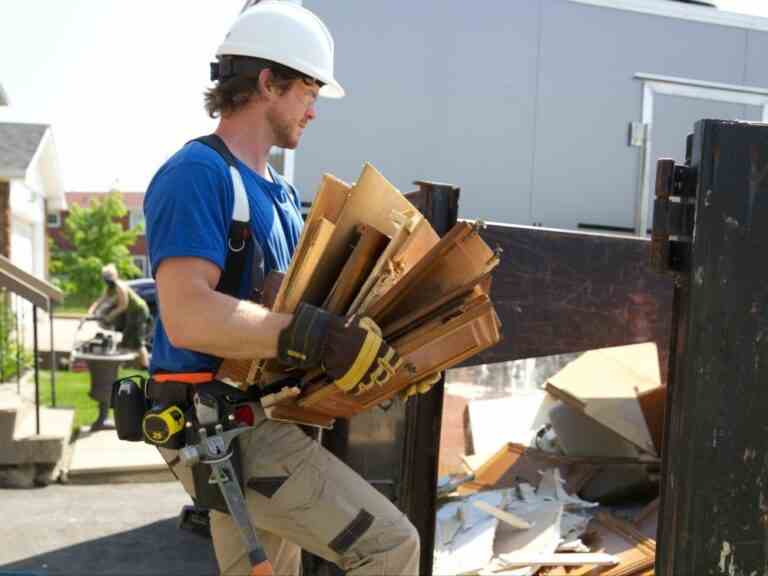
column 418, row 483
column 53, row 356
column 37, row 371
column 713, row 513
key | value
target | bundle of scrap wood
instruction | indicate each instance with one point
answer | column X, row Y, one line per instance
column 367, row 252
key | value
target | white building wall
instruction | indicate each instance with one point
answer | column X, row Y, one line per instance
column 27, row 243
column 27, row 229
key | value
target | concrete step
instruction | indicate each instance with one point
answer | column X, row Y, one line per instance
column 28, row 447
column 13, row 410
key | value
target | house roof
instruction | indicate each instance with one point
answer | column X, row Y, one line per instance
column 18, row 145
column 132, row 200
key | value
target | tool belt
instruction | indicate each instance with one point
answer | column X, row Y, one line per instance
column 158, row 410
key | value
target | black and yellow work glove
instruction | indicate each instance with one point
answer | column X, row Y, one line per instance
column 352, row 353
column 421, row 386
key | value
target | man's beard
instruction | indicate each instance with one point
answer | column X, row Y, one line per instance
column 283, row 131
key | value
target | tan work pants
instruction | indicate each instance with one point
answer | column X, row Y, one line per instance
column 299, row 495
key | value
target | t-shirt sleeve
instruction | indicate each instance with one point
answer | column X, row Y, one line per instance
column 187, row 211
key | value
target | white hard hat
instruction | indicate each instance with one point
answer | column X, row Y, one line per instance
column 288, row 34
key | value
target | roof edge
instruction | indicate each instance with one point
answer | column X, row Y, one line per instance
column 683, row 11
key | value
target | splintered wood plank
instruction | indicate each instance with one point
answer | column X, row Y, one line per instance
column 366, row 252
column 317, row 239
column 405, row 225
column 437, row 346
column 604, row 384
column 454, row 265
column 420, row 240
column 372, row 200
column 328, row 204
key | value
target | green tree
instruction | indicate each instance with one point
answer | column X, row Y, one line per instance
column 98, row 238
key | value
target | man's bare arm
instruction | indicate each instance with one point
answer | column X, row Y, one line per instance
column 196, row 317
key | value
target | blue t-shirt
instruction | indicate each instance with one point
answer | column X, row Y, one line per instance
column 188, row 211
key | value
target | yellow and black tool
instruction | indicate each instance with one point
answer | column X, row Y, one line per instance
column 162, row 423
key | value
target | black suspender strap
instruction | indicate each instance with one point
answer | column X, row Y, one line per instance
column 240, row 242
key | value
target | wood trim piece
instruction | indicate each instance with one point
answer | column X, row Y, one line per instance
column 366, row 252
column 458, row 261
column 420, row 240
column 434, row 348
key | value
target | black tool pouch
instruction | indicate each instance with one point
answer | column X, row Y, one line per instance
column 129, row 404
column 207, row 494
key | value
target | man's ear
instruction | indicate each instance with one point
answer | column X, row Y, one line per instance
column 267, row 87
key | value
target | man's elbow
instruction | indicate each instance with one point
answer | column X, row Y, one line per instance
column 181, row 334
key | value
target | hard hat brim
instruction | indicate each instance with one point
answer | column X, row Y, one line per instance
column 332, row 89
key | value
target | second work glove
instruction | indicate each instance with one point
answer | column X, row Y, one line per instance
column 352, row 353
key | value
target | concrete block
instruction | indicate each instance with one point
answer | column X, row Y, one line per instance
column 27, row 447
column 18, row 476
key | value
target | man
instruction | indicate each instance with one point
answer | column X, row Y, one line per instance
column 126, row 310
column 275, row 61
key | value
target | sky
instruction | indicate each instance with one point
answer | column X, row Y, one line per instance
column 121, row 81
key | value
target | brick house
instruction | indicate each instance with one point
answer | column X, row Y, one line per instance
column 133, row 202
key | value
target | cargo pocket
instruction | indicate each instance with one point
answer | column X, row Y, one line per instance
column 323, row 508
column 288, row 493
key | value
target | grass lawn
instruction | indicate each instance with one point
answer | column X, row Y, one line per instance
column 72, row 392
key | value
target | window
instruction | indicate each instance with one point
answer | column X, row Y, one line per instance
column 54, row 219
column 135, row 218
column 141, row 264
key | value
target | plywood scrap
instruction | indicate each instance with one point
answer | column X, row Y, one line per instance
column 371, row 201
column 328, row 204
column 580, row 435
column 318, row 235
column 368, row 247
column 604, row 384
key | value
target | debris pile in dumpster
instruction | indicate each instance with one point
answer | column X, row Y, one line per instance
column 558, row 480
column 366, row 251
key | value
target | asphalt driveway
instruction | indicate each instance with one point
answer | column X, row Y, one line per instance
column 115, row 529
